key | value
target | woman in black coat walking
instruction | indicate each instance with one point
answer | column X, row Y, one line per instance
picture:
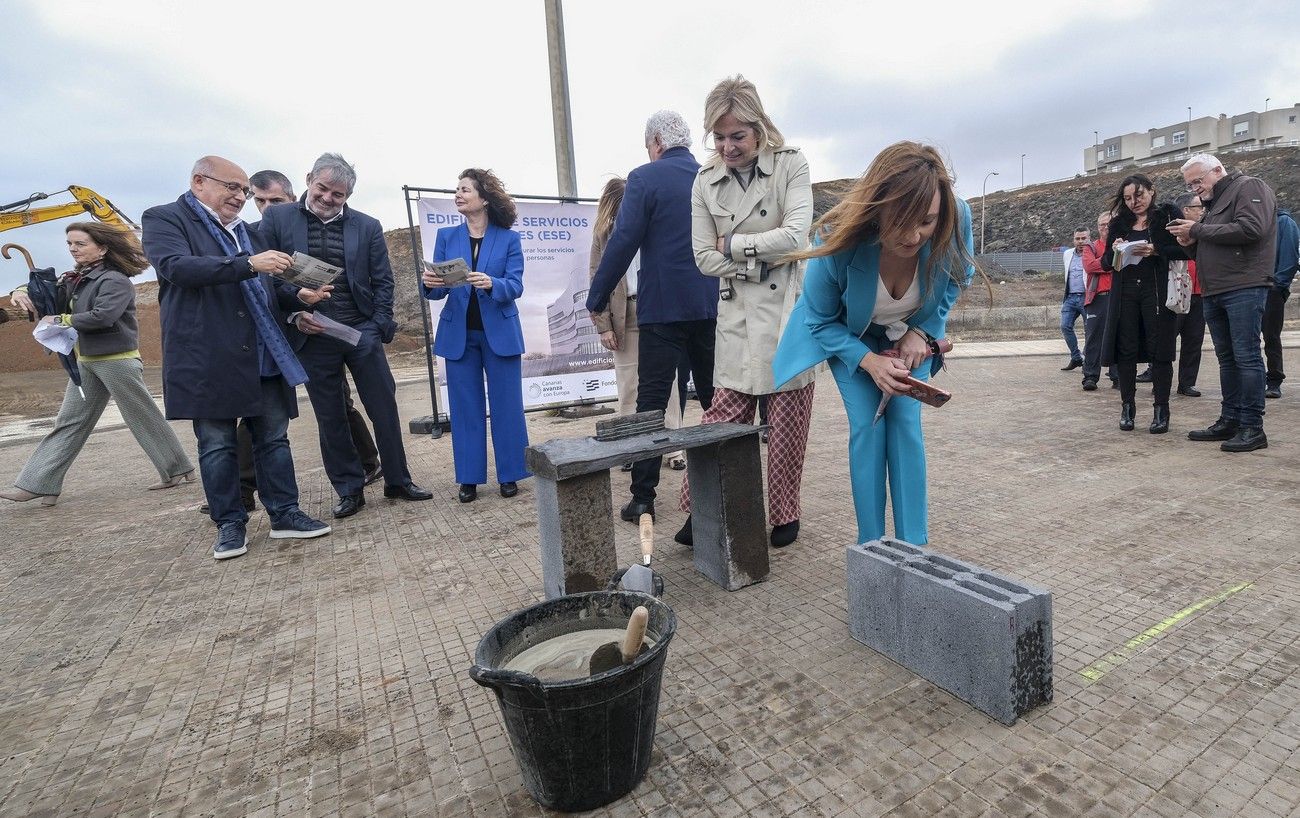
column 1139, row 327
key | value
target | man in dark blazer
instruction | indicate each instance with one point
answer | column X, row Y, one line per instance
column 321, row 225
column 225, row 354
column 676, row 304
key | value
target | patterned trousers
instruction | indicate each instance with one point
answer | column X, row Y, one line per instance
column 123, row 381
column 788, row 414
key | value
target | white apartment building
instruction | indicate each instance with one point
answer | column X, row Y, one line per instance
column 1207, row 134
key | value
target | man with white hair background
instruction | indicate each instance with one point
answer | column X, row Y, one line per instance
column 1234, row 245
column 676, row 304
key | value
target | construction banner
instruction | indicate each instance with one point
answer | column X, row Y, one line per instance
column 563, row 363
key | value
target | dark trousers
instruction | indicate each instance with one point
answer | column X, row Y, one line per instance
column 662, row 347
column 1094, row 331
column 1191, row 334
column 1272, row 327
column 219, row 464
column 1233, row 319
column 1138, row 303
column 325, row 359
column 360, row 437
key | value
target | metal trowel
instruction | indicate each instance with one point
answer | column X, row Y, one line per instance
column 639, row 578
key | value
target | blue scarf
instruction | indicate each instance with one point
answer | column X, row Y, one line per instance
column 275, row 356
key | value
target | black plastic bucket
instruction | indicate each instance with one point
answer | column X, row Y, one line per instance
column 585, row 742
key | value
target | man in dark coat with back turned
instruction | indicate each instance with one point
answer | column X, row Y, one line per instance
column 225, row 355
column 676, row 304
column 321, row 225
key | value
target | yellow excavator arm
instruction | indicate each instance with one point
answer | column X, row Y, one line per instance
column 88, row 202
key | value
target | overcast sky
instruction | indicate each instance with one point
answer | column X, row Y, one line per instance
column 122, row 97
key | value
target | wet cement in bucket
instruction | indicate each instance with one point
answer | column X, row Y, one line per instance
column 567, row 656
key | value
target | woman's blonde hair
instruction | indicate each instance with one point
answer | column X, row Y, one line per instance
column 611, row 198
column 738, row 96
column 892, row 198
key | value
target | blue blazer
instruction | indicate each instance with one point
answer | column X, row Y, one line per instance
column 655, row 218
column 210, row 366
column 839, row 296
column 365, row 257
column 501, row 257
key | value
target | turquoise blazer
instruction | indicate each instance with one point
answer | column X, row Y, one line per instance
column 839, row 296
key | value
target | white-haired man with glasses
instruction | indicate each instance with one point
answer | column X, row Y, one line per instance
column 1234, row 245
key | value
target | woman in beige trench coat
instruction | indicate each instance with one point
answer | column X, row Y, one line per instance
column 752, row 205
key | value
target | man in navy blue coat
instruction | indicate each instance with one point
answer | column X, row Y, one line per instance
column 225, row 354
column 321, row 225
column 676, row 304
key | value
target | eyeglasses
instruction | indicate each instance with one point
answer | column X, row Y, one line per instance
column 233, row 187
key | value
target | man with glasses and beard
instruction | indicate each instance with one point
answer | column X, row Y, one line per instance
column 1234, row 246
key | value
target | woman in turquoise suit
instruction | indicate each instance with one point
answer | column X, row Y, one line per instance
column 887, row 264
column 479, row 334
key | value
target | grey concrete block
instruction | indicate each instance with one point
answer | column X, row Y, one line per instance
column 728, row 521
column 575, row 525
column 983, row 637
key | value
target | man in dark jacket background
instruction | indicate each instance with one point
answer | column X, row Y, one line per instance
column 225, row 355
column 676, row 304
column 1234, row 245
column 1284, row 270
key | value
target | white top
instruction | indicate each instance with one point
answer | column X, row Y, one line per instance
column 891, row 313
column 632, row 270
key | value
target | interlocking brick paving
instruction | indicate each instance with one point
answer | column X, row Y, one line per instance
column 138, row 676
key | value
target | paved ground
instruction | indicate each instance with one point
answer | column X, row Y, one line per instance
column 139, row 676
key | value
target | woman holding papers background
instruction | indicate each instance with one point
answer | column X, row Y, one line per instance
column 99, row 303
column 887, row 264
column 479, row 334
column 1139, row 327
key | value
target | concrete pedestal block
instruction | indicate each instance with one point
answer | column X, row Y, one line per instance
column 576, row 526
column 728, row 521
column 983, row 637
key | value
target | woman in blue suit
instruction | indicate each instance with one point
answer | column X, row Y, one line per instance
column 888, row 263
column 479, row 333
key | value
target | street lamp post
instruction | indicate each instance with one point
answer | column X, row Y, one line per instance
column 983, row 205
column 1266, row 99
column 1022, row 170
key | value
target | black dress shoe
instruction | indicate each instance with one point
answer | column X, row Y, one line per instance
column 1114, row 384
column 348, row 505
column 1126, row 413
column 1189, row 391
column 1089, row 386
column 632, row 512
column 1160, row 422
column 1074, row 363
column 1247, row 439
column 783, row 535
column 684, row 535
column 509, row 489
column 468, row 492
column 1220, row 429
column 1273, row 391
column 408, row 492
column 374, row 474
column 1144, row 376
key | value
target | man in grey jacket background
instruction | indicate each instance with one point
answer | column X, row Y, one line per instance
column 1234, row 244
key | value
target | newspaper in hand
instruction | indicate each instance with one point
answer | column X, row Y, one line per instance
column 1126, row 253
column 309, row 272
column 55, row 337
column 453, row 272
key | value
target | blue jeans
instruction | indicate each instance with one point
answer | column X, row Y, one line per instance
column 1233, row 319
column 219, row 463
column 1071, row 311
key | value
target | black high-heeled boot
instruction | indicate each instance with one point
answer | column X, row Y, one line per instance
column 1160, row 422
column 1126, row 413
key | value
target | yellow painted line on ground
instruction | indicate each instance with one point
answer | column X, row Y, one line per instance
column 1103, row 666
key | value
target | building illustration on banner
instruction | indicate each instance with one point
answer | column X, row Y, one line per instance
column 572, row 332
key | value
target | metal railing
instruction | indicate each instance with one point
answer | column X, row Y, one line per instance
column 1048, row 261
